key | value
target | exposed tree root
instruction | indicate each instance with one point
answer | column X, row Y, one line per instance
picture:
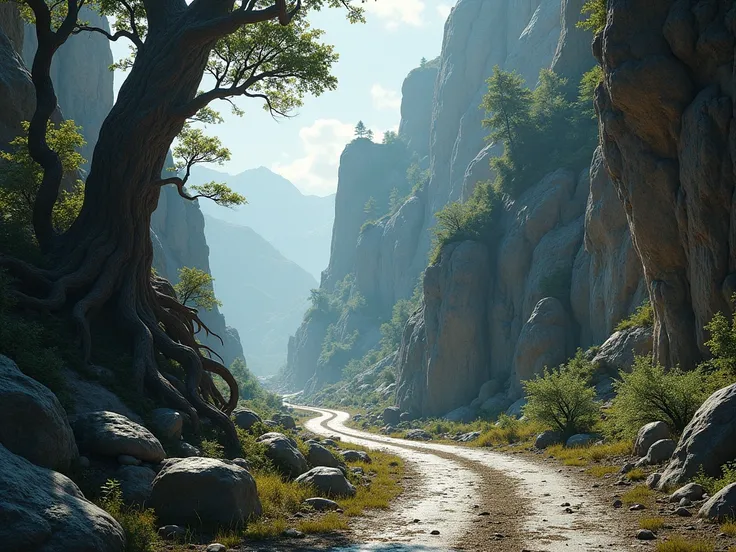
column 106, row 277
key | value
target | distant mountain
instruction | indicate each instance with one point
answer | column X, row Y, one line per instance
column 263, row 294
column 298, row 225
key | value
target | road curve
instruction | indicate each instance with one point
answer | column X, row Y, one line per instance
column 449, row 487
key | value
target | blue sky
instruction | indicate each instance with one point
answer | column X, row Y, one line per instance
column 374, row 59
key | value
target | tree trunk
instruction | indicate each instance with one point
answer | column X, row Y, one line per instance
column 104, row 260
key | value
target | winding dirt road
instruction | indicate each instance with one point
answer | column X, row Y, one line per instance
column 477, row 499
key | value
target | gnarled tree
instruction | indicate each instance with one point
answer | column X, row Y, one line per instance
column 255, row 48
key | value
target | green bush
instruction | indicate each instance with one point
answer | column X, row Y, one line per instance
column 596, row 11
column 722, row 343
column 650, row 393
column 472, row 220
column 563, row 398
column 714, row 484
column 643, row 317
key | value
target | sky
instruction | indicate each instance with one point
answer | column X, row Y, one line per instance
column 375, row 57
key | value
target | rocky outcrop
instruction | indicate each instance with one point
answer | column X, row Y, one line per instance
column 35, row 424
column 708, row 442
column 16, row 87
column 417, row 97
column 82, row 76
column 618, row 351
column 666, row 112
column 44, row 511
column 110, row 434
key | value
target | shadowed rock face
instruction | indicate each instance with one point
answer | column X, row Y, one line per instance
column 666, row 110
column 16, row 89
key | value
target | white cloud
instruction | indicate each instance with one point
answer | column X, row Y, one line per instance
column 397, row 11
column 444, row 11
column 384, row 98
column 316, row 171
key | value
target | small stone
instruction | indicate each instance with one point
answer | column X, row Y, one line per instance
column 83, row 462
column 565, row 504
column 645, row 534
column 485, row 514
column 127, row 460
column 216, row 547
column 684, row 501
column 568, row 510
column 498, row 535
column 637, row 507
column 617, row 503
column 415, row 521
column 435, row 532
column 293, row 534
column 627, row 468
column 683, row 512
column 172, row 532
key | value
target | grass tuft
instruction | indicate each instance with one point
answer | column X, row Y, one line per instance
column 640, row 494
column 653, row 524
column 679, row 544
column 600, row 471
column 637, row 474
column 729, row 528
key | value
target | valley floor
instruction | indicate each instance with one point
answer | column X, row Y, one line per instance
column 461, row 498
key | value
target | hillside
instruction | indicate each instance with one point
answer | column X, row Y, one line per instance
column 298, row 225
column 264, row 294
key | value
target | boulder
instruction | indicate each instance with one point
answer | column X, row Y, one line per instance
column 653, row 480
column 284, row 453
column 186, row 450
column 720, row 506
column 648, row 435
column 356, row 456
column 516, row 409
column 495, row 405
column 322, row 504
column 659, row 452
column 285, row 421
column 463, row 414
column 418, row 435
column 172, row 532
column 405, row 417
column 204, row 492
column 320, row 456
column 691, row 491
column 245, row 418
column 580, row 440
column 167, row 424
column 111, row 434
column 328, row 481
column 619, row 350
column 44, row 511
column 467, row 437
column 34, row 424
column 488, row 390
column 391, row 415
column 135, row 483
column 547, row 439
column 708, row 442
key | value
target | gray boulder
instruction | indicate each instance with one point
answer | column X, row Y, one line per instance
column 708, row 442
column 659, row 452
column 653, row 480
column 418, row 435
column 720, row 506
column 691, row 491
column 245, row 418
column 648, row 435
column 405, row 417
column 135, row 483
column 34, row 424
column 463, row 414
column 618, row 352
column 327, row 481
column 547, row 439
column 284, row 453
column 322, row 504
column 44, row 511
column 356, row 456
column 467, row 437
column 111, row 434
column 186, row 450
column 320, row 456
column 204, row 491
column 516, row 409
column 285, row 421
column 391, row 415
column 167, row 424
column 580, row 440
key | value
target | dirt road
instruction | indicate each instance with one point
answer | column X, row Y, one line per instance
column 477, row 499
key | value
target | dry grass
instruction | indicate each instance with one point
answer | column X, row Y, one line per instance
column 230, row 539
column 639, row 495
column 584, row 456
column 600, row 471
column 637, row 474
column 511, row 431
column 653, row 524
column 679, row 544
column 323, row 524
column 729, row 528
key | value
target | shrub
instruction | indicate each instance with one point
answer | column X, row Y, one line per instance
column 677, row 543
column 471, row 220
column 138, row 525
column 643, row 317
column 722, row 343
column 714, row 484
column 650, row 393
column 562, row 398
column 596, row 11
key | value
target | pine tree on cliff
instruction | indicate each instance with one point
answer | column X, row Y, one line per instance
column 361, row 131
column 261, row 49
